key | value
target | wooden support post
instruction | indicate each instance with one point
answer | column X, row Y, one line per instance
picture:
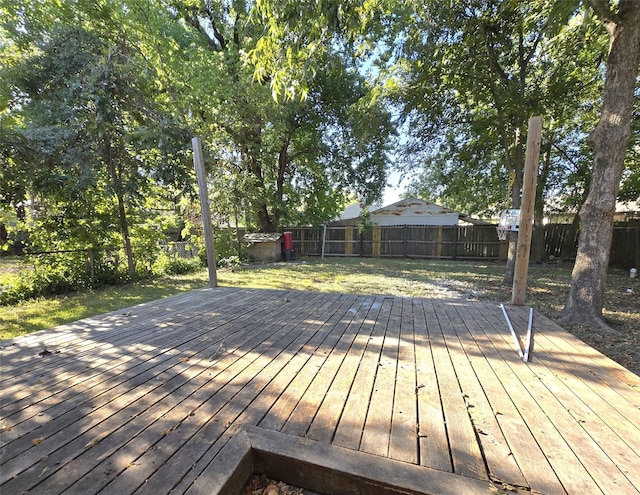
column 534, row 137
column 348, row 240
column 198, row 162
column 377, row 238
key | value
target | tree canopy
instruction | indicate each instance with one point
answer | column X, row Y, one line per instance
column 298, row 103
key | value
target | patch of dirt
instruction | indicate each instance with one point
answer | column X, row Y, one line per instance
column 259, row 484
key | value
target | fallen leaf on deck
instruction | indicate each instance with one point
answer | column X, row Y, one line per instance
column 37, row 441
column 93, row 443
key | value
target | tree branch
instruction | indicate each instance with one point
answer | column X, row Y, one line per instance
column 195, row 22
column 214, row 27
column 493, row 59
column 603, row 10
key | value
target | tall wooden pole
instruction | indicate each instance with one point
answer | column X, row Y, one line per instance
column 198, row 162
column 534, row 137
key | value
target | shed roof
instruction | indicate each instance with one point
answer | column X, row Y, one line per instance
column 411, row 211
column 262, row 237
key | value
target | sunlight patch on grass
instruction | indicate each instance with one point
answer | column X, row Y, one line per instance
column 42, row 313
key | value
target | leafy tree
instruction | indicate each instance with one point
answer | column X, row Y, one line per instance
column 501, row 39
column 475, row 72
column 90, row 127
column 294, row 157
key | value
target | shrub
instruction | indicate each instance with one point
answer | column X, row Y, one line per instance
column 51, row 274
column 227, row 254
column 175, row 265
column 230, row 262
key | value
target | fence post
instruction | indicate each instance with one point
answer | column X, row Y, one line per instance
column 324, row 238
column 405, row 243
column 375, row 248
column 456, row 231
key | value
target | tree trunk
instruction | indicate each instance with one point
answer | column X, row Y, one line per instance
column 538, row 251
column 609, row 142
column 116, row 183
column 516, row 201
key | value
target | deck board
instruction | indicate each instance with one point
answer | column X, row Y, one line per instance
column 143, row 400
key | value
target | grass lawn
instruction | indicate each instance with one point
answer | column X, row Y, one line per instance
column 547, row 291
column 47, row 312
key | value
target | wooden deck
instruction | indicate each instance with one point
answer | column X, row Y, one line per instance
column 143, row 400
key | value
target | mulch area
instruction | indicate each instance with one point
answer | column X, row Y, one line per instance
column 259, row 484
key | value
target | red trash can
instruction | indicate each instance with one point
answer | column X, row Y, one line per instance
column 288, row 241
column 288, row 246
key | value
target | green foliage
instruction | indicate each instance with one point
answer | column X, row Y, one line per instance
column 53, row 274
column 63, row 273
column 227, row 247
column 94, row 138
column 287, row 161
column 230, row 262
column 167, row 264
column 473, row 73
column 365, row 223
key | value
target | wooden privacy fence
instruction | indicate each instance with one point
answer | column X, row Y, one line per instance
column 561, row 241
column 451, row 242
column 407, row 241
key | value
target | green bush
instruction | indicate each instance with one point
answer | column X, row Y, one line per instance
column 62, row 273
column 227, row 248
column 230, row 262
column 175, row 265
column 50, row 274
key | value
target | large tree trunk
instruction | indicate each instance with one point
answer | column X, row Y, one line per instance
column 609, row 141
column 516, row 201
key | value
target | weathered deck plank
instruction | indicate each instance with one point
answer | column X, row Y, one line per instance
column 522, row 443
column 377, row 427
column 463, row 444
column 351, row 425
column 495, row 448
column 432, row 431
column 545, row 417
column 143, row 400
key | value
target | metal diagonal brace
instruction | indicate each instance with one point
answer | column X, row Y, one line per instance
column 529, row 337
column 513, row 333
